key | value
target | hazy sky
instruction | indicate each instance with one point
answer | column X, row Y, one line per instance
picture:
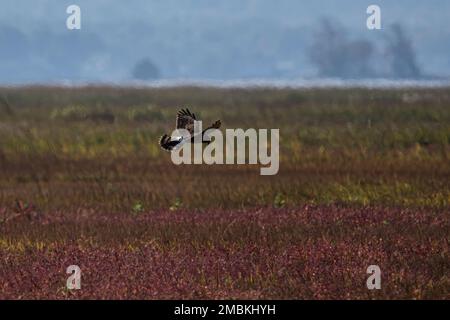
column 197, row 39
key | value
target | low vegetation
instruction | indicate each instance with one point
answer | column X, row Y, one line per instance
column 364, row 179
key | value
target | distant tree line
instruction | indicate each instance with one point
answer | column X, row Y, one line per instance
column 335, row 55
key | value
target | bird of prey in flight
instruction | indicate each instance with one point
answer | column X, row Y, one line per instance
column 185, row 120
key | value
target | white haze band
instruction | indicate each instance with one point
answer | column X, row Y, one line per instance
column 212, row 153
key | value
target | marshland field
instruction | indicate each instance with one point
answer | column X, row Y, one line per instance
column 364, row 179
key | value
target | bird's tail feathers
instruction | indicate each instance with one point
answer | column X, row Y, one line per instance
column 163, row 142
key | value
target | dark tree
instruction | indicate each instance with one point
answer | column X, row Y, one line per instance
column 401, row 54
column 336, row 56
column 145, row 69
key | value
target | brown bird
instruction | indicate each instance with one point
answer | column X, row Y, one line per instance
column 185, row 120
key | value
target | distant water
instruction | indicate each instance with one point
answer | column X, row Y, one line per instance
column 299, row 83
column 262, row 83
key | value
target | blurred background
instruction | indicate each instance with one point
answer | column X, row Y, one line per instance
column 222, row 40
column 364, row 170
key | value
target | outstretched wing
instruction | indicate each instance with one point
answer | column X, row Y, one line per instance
column 215, row 125
column 185, row 120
